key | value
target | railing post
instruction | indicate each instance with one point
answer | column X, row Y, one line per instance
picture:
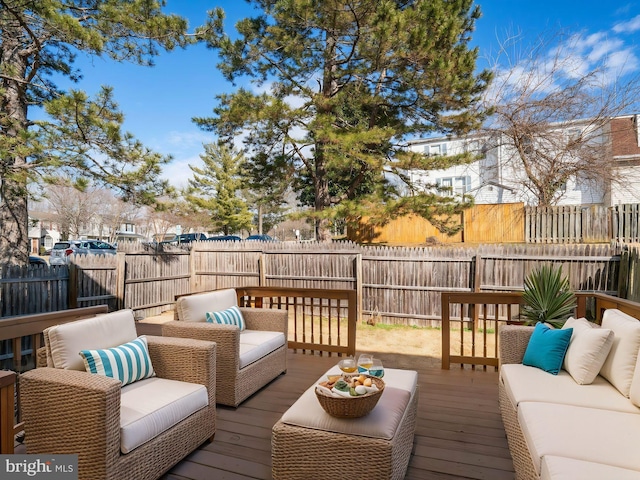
column 446, row 332
column 121, row 277
column 72, row 287
column 7, row 411
column 359, row 281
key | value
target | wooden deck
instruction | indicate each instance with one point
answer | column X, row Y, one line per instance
column 459, row 433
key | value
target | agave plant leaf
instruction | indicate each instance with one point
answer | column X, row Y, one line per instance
column 547, row 296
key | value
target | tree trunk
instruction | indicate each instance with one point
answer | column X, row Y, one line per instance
column 14, row 216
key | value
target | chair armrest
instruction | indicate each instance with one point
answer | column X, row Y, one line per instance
column 69, row 411
column 513, row 342
column 226, row 337
column 266, row 319
column 184, row 359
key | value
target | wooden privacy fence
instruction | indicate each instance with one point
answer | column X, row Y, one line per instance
column 567, row 224
column 392, row 285
column 513, row 223
column 625, row 223
column 480, row 224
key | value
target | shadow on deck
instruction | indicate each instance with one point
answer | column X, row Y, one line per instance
column 459, row 433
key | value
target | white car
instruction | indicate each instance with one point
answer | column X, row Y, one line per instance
column 62, row 251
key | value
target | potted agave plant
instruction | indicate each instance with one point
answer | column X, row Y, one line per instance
column 547, row 297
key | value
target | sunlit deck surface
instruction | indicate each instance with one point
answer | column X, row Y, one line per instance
column 459, row 432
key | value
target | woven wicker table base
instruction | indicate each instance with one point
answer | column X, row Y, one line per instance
column 300, row 453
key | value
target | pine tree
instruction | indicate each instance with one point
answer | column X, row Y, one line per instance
column 82, row 137
column 215, row 188
column 350, row 82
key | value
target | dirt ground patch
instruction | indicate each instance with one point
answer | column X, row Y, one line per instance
column 401, row 346
column 416, row 347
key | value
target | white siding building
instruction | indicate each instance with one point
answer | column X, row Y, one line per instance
column 496, row 178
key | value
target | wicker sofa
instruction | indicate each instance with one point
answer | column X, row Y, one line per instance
column 564, row 426
column 246, row 359
column 136, row 431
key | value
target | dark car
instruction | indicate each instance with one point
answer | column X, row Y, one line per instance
column 225, row 238
column 261, row 238
column 33, row 260
column 185, row 238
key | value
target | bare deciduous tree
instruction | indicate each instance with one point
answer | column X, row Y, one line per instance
column 552, row 109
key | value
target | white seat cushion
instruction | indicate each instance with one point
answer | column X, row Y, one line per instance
column 620, row 365
column 588, row 349
column 530, row 384
column 194, row 308
column 65, row 341
column 589, row 434
column 382, row 422
column 255, row 344
column 561, row 468
column 149, row 407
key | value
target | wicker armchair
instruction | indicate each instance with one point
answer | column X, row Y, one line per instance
column 68, row 411
column 239, row 375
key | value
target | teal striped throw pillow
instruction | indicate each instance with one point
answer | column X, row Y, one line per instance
column 128, row 362
column 230, row 316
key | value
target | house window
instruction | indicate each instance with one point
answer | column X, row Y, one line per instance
column 435, row 149
column 456, row 185
column 573, row 134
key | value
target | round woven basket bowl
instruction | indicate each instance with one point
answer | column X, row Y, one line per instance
column 353, row 407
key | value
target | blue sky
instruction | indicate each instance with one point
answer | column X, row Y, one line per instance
column 160, row 101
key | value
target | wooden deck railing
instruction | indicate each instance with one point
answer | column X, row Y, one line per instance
column 471, row 322
column 319, row 320
column 13, row 330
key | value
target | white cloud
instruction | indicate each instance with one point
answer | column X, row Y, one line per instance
column 178, row 172
column 629, row 26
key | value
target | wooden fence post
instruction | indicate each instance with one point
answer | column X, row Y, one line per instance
column 623, row 274
column 121, row 277
column 193, row 281
column 72, row 300
column 358, row 276
column 7, row 411
column 262, row 274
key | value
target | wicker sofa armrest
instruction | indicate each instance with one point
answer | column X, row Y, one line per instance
column 266, row 319
column 513, row 342
column 186, row 360
column 69, row 411
column 226, row 337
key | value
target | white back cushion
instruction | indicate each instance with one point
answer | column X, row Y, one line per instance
column 588, row 349
column 194, row 308
column 64, row 342
column 620, row 365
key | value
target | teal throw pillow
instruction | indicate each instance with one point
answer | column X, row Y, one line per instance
column 230, row 316
column 547, row 347
column 128, row 362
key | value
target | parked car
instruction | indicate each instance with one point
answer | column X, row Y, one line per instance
column 34, row 260
column 225, row 238
column 96, row 247
column 261, row 238
column 61, row 252
column 185, row 238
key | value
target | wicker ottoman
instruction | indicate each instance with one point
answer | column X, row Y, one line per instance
column 309, row 443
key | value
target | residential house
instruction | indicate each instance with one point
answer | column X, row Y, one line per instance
column 496, row 178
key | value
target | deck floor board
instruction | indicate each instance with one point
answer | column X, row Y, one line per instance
column 459, row 433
